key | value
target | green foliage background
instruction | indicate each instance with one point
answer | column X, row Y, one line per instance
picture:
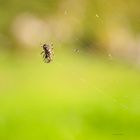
column 80, row 95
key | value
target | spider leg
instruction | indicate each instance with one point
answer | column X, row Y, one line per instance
column 49, row 59
column 42, row 52
column 53, row 54
column 44, row 60
column 43, row 55
column 51, row 44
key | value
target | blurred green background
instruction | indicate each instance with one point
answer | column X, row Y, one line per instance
column 91, row 89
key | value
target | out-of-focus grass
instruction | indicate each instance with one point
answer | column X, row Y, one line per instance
column 72, row 98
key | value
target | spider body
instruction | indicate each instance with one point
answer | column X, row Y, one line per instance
column 47, row 53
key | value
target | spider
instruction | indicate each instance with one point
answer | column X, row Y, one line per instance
column 47, row 53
